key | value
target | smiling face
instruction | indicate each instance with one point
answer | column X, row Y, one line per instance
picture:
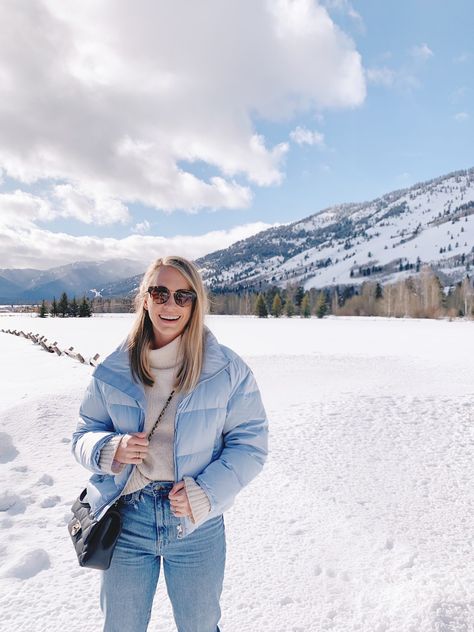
column 168, row 319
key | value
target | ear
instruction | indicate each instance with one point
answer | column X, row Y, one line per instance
column 145, row 304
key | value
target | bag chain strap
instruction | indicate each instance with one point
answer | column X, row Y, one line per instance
column 160, row 415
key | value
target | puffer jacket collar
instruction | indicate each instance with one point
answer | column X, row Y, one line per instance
column 115, row 369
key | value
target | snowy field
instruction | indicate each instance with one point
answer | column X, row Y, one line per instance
column 362, row 518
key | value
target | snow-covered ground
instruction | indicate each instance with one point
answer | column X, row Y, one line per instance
column 362, row 518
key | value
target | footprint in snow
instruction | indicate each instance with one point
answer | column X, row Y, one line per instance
column 29, row 565
column 11, row 503
column 285, row 601
column 20, row 468
column 8, row 452
column 50, row 501
column 46, row 479
column 65, row 440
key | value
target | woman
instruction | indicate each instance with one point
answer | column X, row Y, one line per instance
column 174, row 478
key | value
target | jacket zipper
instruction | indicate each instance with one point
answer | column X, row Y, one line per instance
column 180, row 528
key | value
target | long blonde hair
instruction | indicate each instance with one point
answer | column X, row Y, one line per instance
column 141, row 335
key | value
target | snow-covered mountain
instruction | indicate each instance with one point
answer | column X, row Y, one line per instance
column 394, row 235
column 431, row 223
column 81, row 277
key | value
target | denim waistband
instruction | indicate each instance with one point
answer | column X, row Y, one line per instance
column 158, row 488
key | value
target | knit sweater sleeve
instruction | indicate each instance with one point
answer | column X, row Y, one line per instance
column 200, row 504
column 107, row 462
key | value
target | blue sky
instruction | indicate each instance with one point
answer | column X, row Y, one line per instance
column 259, row 113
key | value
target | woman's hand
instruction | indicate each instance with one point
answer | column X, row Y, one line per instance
column 179, row 501
column 133, row 448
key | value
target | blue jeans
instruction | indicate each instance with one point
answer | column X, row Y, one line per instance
column 193, row 566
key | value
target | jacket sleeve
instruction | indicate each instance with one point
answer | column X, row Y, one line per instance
column 245, row 444
column 94, row 429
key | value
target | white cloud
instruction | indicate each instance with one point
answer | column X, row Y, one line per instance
column 461, row 116
column 304, row 136
column 142, row 227
column 24, row 244
column 422, row 52
column 90, row 209
column 20, row 209
column 108, row 98
column 382, row 76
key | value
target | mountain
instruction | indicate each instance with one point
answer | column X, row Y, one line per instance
column 381, row 240
column 79, row 278
column 431, row 222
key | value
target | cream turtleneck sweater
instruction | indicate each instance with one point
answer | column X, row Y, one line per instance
column 158, row 465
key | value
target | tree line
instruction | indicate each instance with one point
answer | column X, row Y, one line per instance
column 420, row 296
column 65, row 307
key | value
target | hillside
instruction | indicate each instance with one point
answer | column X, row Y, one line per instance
column 429, row 223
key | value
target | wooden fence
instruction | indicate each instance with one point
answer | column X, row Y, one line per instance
column 53, row 347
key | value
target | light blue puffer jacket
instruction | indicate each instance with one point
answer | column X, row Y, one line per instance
column 221, row 429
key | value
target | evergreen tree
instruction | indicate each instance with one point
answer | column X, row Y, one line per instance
column 378, row 291
column 54, row 308
column 305, row 309
column 277, row 306
column 85, row 308
column 260, row 307
column 300, row 293
column 289, row 308
column 63, row 305
column 42, row 310
column 321, row 305
column 74, row 308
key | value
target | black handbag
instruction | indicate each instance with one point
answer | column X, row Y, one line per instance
column 94, row 540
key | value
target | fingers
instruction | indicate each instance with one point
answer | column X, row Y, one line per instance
column 132, row 449
column 179, row 502
column 176, row 487
column 135, row 440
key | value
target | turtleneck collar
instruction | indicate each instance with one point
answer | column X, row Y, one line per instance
column 167, row 357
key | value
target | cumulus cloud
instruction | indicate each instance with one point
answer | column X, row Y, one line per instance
column 304, row 136
column 106, row 100
column 461, row 116
column 25, row 244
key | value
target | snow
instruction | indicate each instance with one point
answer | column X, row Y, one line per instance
column 361, row 519
column 388, row 238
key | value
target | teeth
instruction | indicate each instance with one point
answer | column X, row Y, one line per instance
column 169, row 317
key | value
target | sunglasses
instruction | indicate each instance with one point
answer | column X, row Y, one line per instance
column 160, row 294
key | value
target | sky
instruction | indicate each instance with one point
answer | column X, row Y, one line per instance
column 138, row 130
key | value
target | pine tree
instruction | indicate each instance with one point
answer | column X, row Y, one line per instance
column 305, row 309
column 321, row 305
column 54, row 308
column 74, row 308
column 261, row 308
column 378, row 291
column 63, row 304
column 289, row 308
column 85, row 308
column 300, row 293
column 277, row 306
column 42, row 310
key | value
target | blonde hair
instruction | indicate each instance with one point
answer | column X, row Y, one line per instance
column 141, row 335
